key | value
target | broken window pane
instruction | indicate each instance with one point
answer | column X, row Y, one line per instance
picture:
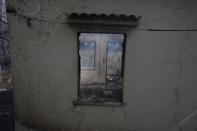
column 103, row 53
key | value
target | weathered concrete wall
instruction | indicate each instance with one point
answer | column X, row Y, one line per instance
column 160, row 71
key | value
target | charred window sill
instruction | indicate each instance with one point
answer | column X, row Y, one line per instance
column 98, row 102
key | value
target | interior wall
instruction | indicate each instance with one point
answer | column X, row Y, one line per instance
column 160, row 66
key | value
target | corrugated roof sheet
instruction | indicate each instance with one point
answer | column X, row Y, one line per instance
column 103, row 19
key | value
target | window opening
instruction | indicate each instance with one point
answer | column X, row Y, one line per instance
column 104, row 54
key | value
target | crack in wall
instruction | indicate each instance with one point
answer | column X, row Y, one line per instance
column 181, row 62
column 177, row 91
column 12, row 10
column 149, row 29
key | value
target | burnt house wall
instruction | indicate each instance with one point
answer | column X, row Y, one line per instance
column 160, row 66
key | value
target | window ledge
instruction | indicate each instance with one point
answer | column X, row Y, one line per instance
column 96, row 103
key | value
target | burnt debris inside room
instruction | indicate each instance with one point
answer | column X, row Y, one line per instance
column 101, row 58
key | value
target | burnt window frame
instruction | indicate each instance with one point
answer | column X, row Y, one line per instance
column 106, row 102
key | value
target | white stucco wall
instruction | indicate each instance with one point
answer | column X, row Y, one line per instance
column 160, row 71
